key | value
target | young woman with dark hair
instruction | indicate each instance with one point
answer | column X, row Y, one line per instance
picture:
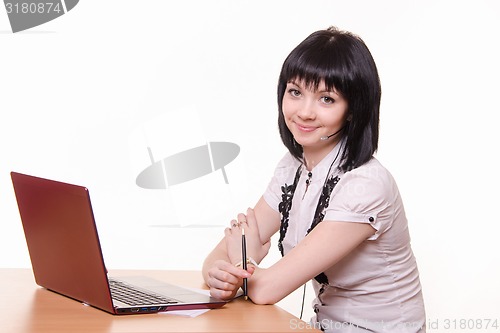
column 338, row 211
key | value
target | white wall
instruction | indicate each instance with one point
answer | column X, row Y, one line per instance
column 83, row 96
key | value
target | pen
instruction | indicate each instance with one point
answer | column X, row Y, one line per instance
column 244, row 261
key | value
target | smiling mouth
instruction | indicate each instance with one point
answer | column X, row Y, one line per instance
column 304, row 128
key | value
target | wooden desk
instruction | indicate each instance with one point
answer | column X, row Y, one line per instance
column 31, row 309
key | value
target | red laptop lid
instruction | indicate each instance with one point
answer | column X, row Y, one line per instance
column 62, row 239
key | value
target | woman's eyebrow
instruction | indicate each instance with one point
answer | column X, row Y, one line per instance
column 323, row 91
column 328, row 91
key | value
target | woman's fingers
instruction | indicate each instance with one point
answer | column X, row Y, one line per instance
column 225, row 279
column 251, row 220
column 224, row 275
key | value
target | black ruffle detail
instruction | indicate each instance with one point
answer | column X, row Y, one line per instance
column 285, row 206
column 321, row 278
column 324, row 200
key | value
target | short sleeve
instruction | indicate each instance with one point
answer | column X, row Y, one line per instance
column 364, row 195
column 284, row 174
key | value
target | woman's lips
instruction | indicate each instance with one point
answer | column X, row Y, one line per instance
column 305, row 128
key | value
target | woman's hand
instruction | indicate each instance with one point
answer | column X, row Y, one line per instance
column 224, row 279
column 256, row 249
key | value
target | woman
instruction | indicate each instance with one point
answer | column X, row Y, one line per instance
column 338, row 211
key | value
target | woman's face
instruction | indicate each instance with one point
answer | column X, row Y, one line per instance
column 313, row 114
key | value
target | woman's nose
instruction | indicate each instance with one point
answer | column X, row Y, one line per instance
column 306, row 110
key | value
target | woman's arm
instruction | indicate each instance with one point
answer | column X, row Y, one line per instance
column 218, row 270
column 322, row 248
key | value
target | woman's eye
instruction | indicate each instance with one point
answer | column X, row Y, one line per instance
column 327, row 100
column 294, row 92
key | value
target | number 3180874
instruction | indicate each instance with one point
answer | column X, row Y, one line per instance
column 471, row 324
column 33, row 8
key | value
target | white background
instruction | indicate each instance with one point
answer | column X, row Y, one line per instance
column 83, row 96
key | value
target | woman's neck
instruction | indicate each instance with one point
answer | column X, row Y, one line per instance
column 314, row 155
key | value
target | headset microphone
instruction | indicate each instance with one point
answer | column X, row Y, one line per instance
column 324, row 138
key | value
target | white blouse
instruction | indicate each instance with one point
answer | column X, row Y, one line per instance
column 376, row 287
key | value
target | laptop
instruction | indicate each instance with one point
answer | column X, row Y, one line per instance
column 66, row 255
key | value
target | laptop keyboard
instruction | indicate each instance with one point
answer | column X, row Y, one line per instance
column 134, row 297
